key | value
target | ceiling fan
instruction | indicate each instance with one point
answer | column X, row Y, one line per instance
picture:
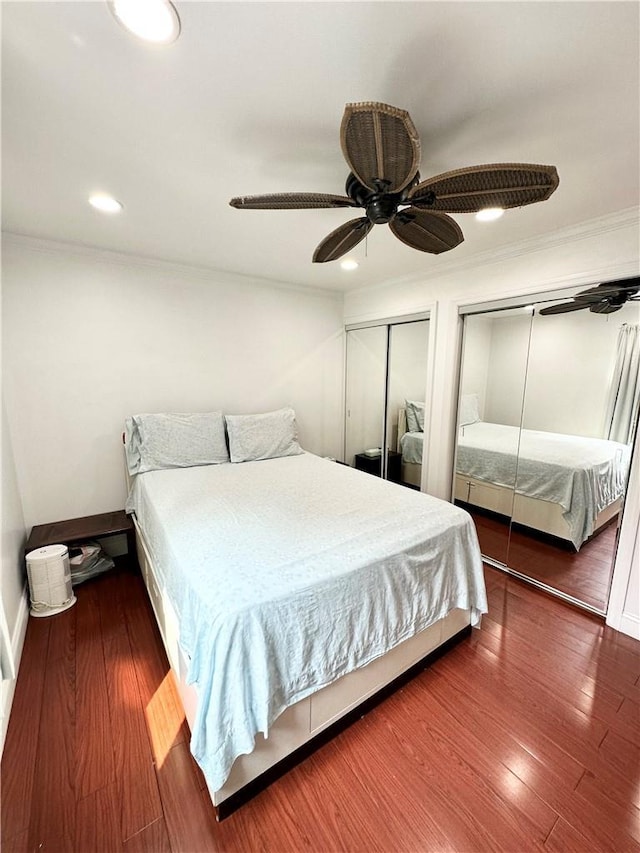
column 381, row 146
column 602, row 299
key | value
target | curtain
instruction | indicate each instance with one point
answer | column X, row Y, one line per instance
column 624, row 393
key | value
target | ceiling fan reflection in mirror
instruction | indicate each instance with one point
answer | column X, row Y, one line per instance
column 602, row 299
column 382, row 149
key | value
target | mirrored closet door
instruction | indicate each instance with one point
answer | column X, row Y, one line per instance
column 547, row 415
column 385, row 399
column 365, row 394
column 492, row 385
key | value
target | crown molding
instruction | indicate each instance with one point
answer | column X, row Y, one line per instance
column 629, row 217
column 41, row 245
column 587, row 230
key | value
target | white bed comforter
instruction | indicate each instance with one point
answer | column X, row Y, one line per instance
column 288, row 573
column 583, row 475
column 412, row 445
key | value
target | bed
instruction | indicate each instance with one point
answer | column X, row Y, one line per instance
column 410, row 444
column 288, row 591
column 580, row 479
column 566, row 486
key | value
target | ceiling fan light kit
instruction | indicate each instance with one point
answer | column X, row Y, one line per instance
column 155, row 21
column 382, row 148
column 105, row 203
column 489, row 214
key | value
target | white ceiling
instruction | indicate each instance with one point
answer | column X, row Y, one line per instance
column 249, row 100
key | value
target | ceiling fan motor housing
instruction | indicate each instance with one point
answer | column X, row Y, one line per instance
column 380, row 206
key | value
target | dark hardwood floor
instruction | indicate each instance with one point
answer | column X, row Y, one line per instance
column 586, row 574
column 524, row 737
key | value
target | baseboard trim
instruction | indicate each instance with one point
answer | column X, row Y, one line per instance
column 630, row 625
column 17, row 645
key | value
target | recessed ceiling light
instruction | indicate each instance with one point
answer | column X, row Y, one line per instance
column 489, row 214
column 152, row 20
column 349, row 264
column 105, row 203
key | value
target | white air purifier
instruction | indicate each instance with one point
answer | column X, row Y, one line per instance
column 49, row 576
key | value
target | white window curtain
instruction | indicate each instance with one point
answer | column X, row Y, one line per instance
column 624, row 392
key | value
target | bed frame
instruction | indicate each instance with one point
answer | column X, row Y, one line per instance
column 543, row 516
column 534, row 513
column 308, row 724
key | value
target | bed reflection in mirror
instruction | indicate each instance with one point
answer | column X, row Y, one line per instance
column 546, row 422
column 408, row 344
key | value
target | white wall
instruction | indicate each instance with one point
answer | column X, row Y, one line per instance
column 475, row 360
column 571, row 360
column 567, row 360
column 409, row 346
column 597, row 250
column 90, row 338
column 13, row 601
column 507, row 368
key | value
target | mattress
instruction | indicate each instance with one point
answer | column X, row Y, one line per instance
column 583, row 475
column 288, row 573
column 411, row 446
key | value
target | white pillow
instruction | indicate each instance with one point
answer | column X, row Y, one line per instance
column 174, row 440
column 415, row 415
column 469, row 409
column 264, row 436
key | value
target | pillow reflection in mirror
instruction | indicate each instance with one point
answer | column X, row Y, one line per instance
column 469, row 413
column 415, row 415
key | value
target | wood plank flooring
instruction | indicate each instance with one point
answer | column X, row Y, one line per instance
column 586, row 575
column 525, row 737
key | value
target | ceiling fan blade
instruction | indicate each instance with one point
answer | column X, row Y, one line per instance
column 563, row 308
column 477, row 187
column 290, row 201
column 381, row 145
column 623, row 283
column 342, row 239
column 598, row 295
column 603, row 291
column 426, row 231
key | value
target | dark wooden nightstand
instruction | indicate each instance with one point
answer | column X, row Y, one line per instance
column 89, row 527
column 373, row 464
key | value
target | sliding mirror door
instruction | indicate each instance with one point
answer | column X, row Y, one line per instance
column 547, row 416
column 366, row 391
column 408, row 344
column 386, row 376
column 578, row 422
column 492, row 384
